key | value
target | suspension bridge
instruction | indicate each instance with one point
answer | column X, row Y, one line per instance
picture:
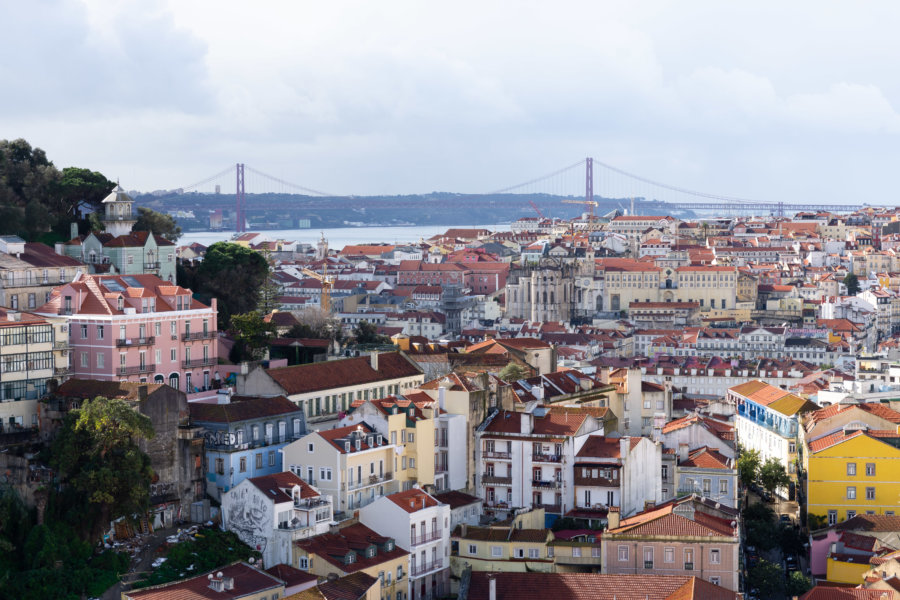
column 588, row 182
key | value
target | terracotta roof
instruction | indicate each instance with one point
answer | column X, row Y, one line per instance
column 595, row 586
column 839, row 437
column 707, row 458
column 350, row 587
column 665, row 521
column 333, row 547
column 331, row 435
column 278, row 486
column 870, row 523
column 242, row 408
column 412, row 500
column 456, row 499
column 300, row 379
column 827, row 592
column 247, row 582
column 291, row 576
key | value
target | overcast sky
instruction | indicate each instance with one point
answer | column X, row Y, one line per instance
column 767, row 100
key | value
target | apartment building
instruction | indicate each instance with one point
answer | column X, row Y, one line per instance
column 768, row 421
column 271, row 512
column 419, row 523
column 708, row 473
column 621, row 472
column 353, row 550
column 519, row 545
column 29, row 271
column 237, row 581
column 138, row 328
column 244, row 436
column 324, row 390
column 353, row 464
column 684, row 537
column 526, row 459
column 33, row 350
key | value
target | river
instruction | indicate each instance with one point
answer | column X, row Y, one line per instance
column 342, row 236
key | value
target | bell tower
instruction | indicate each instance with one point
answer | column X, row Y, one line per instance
column 118, row 218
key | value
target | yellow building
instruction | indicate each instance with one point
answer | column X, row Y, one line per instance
column 847, row 569
column 518, row 546
column 853, row 471
column 354, row 549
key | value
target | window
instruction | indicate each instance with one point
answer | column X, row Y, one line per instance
column 412, row 462
column 832, row 517
column 84, row 332
column 669, row 555
column 520, row 553
column 715, row 557
column 665, row 471
column 99, row 332
column 473, row 549
column 84, row 359
column 534, row 553
column 851, row 469
column 688, row 559
column 723, row 486
column 100, row 360
column 303, row 563
column 623, row 553
column 259, row 460
column 870, row 469
column 706, row 486
column 648, row 558
column 271, row 458
column 870, row 493
column 714, row 580
column 220, row 466
column 309, row 447
column 851, row 514
column 173, row 355
column 243, row 464
column 851, row 492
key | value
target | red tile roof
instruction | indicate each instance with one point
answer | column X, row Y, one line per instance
column 242, row 408
column 278, row 486
column 247, row 581
column 301, row 379
column 333, row 547
column 412, row 500
column 665, row 521
column 707, row 458
column 827, row 592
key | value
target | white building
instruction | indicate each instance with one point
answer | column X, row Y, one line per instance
column 273, row 511
column 420, row 524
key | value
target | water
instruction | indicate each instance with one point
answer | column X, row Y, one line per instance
column 342, row 236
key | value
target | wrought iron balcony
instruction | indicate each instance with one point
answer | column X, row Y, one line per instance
column 500, row 455
column 151, row 266
column 199, row 362
column 199, row 335
column 136, row 370
column 138, row 341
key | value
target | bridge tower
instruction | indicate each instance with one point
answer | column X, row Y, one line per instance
column 589, row 180
column 239, row 221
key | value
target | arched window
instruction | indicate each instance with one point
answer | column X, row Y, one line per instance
column 173, row 380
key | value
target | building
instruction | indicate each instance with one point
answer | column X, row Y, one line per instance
column 33, row 351
column 850, row 472
column 244, row 437
column 527, row 459
column 324, row 390
column 356, row 549
column 271, row 512
column 464, row 508
column 768, row 422
column 420, row 524
column 138, row 328
column 29, row 271
column 353, row 464
column 237, row 581
column 685, row 537
column 708, row 473
column 521, row 544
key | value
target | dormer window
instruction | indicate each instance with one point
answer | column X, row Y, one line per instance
column 389, row 546
column 346, row 446
column 358, row 444
column 350, row 558
column 120, row 303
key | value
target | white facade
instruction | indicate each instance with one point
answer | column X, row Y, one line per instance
column 271, row 512
column 420, row 524
column 451, row 466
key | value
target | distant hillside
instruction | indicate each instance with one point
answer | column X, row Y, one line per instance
column 280, row 211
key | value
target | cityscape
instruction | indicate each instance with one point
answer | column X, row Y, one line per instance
column 468, row 301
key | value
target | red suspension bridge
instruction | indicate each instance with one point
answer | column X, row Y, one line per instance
column 598, row 183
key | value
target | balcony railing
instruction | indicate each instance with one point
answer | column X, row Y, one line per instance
column 199, row 335
column 648, row 564
column 548, row 485
column 688, row 566
column 308, row 503
column 424, row 539
column 370, row 480
column 500, row 455
column 136, row 370
column 138, row 341
column 496, row 504
column 550, row 508
column 151, row 265
column 61, row 345
column 425, row 568
column 199, row 362
column 60, row 371
column 554, row 458
column 495, row 480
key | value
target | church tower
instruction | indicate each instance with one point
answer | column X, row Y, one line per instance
column 118, row 218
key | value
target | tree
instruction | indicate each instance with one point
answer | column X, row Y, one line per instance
column 322, row 324
column 768, row 579
column 852, row 283
column 797, row 584
column 772, row 475
column 233, row 274
column 748, row 466
column 158, row 223
column 97, row 455
column 513, row 372
column 269, row 291
column 367, row 333
column 251, row 336
column 79, row 189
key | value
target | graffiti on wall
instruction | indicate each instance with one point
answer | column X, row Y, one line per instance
column 247, row 514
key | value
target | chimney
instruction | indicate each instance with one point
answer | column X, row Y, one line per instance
column 492, row 587
column 373, row 361
column 229, row 583
column 442, row 395
column 525, row 422
column 463, row 529
column 73, row 231
column 683, row 452
column 624, row 448
column 612, row 518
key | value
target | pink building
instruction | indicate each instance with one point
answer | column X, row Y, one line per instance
column 138, row 328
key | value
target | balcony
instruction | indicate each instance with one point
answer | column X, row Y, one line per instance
column 61, row 345
column 548, row 458
column 136, row 370
column 151, row 266
column 309, row 503
column 199, row 362
column 424, row 539
column 199, row 335
column 495, row 480
column 62, row 371
column 500, row 455
column 138, row 341
column 370, row 480
column 547, row 485
column 417, row 570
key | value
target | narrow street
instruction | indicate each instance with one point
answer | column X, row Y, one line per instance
column 140, row 564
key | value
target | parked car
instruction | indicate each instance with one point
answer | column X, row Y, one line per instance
column 784, row 519
column 790, row 563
